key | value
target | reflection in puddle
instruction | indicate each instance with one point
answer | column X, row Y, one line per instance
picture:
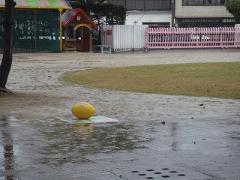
column 83, row 130
column 70, row 143
column 8, row 153
column 51, row 142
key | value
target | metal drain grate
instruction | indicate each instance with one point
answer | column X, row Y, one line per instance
column 152, row 174
column 159, row 173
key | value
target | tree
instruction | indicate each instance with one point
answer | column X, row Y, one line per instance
column 101, row 12
column 107, row 14
column 6, row 63
column 84, row 3
column 7, row 143
column 233, row 6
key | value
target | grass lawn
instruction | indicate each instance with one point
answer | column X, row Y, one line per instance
column 202, row 79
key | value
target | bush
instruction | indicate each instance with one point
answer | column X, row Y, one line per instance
column 233, row 6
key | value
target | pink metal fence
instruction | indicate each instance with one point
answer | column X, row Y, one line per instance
column 211, row 37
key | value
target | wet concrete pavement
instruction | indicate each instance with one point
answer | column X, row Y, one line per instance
column 158, row 136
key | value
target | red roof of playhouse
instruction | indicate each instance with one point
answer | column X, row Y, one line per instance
column 69, row 15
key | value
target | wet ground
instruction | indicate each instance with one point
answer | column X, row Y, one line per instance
column 158, row 136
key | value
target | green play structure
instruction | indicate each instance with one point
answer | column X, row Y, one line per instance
column 37, row 25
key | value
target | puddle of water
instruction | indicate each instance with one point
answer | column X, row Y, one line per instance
column 54, row 142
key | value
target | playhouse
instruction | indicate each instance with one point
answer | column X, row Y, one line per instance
column 37, row 25
column 77, row 30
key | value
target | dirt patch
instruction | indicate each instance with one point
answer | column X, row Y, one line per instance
column 10, row 103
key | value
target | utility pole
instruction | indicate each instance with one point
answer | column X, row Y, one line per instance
column 8, row 37
column 173, row 7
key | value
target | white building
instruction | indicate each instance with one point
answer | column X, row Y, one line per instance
column 180, row 13
column 151, row 18
column 146, row 12
column 190, row 13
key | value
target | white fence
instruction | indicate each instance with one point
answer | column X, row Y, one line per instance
column 124, row 37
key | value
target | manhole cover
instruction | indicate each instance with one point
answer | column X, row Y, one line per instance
column 159, row 173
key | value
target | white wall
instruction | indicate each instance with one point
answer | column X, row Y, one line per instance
column 200, row 11
column 138, row 17
column 128, row 37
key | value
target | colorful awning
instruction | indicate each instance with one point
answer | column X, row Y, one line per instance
column 39, row 4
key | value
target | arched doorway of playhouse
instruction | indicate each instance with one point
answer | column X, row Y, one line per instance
column 83, row 36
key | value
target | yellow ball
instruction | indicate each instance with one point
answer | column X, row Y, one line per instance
column 83, row 110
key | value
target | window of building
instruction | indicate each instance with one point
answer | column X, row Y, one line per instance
column 205, row 22
column 143, row 4
column 203, row 2
column 135, row 5
column 157, row 4
column 118, row 2
column 156, row 24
